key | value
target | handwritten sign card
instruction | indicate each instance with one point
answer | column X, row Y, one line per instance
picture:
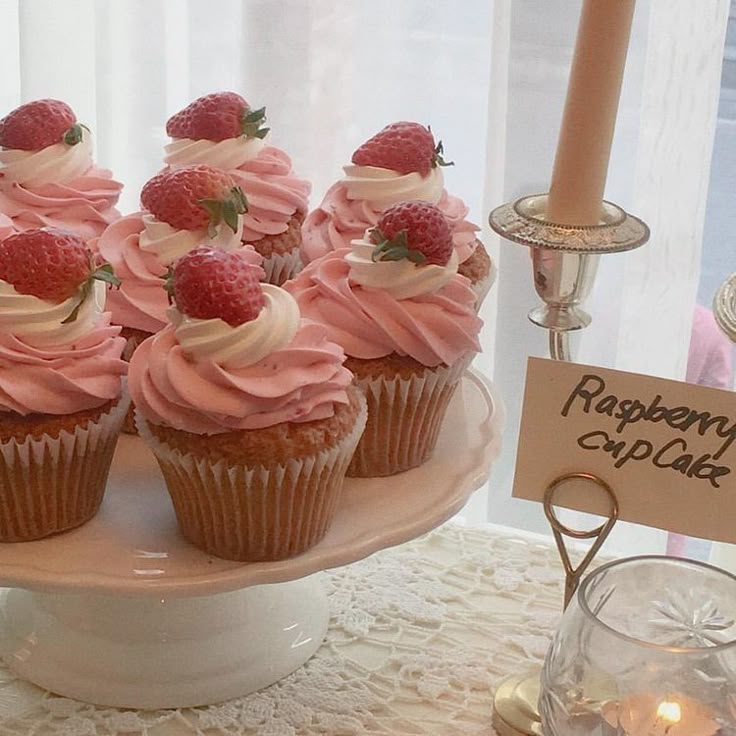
column 668, row 449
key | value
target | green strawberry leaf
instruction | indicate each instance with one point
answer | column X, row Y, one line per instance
column 394, row 250
column 230, row 214
column 214, row 207
column 238, row 196
column 251, row 123
column 438, row 160
column 84, row 291
column 106, row 273
column 73, row 314
column 168, row 285
column 74, row 134
column 254, row 116
column 103, row 273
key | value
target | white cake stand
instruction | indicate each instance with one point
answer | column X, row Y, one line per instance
column 124, row 612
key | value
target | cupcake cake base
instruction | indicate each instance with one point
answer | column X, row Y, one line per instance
column 53, row 470
column 254, row 495
column 281, row 255
column 133, row 338
column 478, row 269
column 407, row 403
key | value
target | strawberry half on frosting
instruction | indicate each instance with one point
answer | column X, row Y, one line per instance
column 183, row 209
column 47, row 174
column 58, row 352
column 401, row 162
column 222, row 130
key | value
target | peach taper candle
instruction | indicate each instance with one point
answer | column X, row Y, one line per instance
column 589, row 118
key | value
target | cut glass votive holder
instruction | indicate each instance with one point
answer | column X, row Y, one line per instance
column 647, row 647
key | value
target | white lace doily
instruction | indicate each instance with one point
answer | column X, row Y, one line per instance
column 420, row 636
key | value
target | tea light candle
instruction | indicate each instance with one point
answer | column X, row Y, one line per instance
column 649, row 715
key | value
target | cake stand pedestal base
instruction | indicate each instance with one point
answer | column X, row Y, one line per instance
column 158, row 652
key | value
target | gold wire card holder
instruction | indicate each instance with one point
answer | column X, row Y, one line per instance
column 515, row 709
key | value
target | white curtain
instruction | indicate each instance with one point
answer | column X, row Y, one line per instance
column 489, row 77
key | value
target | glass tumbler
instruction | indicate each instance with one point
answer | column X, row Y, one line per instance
column 647, row 647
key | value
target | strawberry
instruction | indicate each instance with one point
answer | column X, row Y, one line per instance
column 414, row 230
column 209, row 284
column 194, row 198
column 53, row 265
column 39, row 124
column 216, row 117
column 404, row 147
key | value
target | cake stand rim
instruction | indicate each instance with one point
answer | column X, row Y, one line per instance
column 241, row 575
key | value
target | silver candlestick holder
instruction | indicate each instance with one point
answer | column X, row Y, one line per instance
column 724, row 307
column 565, row 259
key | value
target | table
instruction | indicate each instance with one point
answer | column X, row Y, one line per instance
column 420, row 636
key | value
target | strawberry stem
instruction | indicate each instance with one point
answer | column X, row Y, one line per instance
column 168, row 285
column 251, row 122
column 103, row 273
column 73, row 135
column 395, row 249
column 106, row 273
column 226, row 210
column 437, row 160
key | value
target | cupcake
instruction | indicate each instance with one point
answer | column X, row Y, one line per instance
column 223, row 131
column 60, row 384
column 407, row 321
column 249, row 410
column 47, row 175
column 399, row 163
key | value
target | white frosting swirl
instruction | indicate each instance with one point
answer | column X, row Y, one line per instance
column 246, row 344
column 39, row 322
column 385, row 187
column 168, row 244
column 231, row 153
column 54, row 164
column 402, row 279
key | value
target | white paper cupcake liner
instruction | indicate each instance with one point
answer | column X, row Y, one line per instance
column 404, row 419
column 51, row 484
column 248, row 513
column 280, row 268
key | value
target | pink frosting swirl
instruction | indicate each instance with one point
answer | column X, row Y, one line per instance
column 62, row 379
column 339, row 219
column 432, row 328
column 141, row 301
column 85, row 205
column 298, row 383
column 274, row 193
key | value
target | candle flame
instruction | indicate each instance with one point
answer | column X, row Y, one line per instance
column 670, row 711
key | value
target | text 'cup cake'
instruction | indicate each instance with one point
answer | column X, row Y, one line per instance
column 407, row 321
column 60, row 384
column 223, row 131
column 249, row 410
column 47, row 174
column 401, row 162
